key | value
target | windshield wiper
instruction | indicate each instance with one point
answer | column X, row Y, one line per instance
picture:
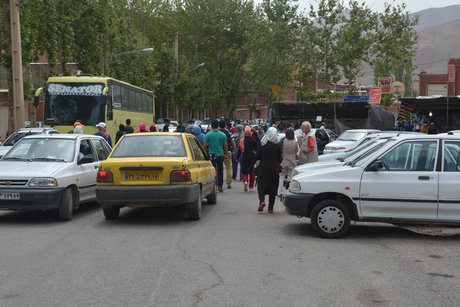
column 18, row 159
column 48, row 159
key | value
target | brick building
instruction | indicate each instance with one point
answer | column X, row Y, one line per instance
column 437, row 84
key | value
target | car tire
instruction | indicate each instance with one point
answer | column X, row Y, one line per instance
column 65, row 210
column 212, row 198
column 194, row 213
column 111, row 213
column 330, row 219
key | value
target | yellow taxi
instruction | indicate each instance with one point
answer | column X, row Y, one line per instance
column 158, row 169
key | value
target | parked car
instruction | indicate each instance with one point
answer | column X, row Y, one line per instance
column 412, row 179
column 351, row 157
column 156, row 170
column 323, row 137
column 349, row 139
column 16, row 136
column 46, row 172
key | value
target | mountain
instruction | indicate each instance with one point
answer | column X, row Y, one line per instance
column 439, row 40
column 437, row 16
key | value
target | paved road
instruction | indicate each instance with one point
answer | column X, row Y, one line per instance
column 233, row 256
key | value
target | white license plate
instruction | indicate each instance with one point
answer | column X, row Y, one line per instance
column 10, row 196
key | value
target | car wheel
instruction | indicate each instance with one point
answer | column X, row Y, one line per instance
column 66, row 205
column 212, row 198
column 194, row 213
column 111, row 213
column 330, row 219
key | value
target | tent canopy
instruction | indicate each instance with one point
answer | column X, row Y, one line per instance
column 445, row 111
column 348, row 115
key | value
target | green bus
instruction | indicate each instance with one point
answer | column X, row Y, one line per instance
column 92, row 99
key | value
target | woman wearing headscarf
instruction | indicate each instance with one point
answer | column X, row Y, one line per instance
column 249, row 159
column 142, row 128
column 289, row 154
column 268, row 170
column 238, row 153
column 198, row 133
column 153, row 128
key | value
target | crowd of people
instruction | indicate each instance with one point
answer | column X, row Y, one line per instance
column 253, row 155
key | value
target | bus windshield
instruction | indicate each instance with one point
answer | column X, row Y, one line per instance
column 67, row 102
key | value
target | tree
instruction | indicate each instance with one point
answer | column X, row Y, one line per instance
column 273, row 45
column 354, row 40
column 395, row 44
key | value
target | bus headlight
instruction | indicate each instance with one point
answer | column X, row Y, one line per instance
column 294, row 186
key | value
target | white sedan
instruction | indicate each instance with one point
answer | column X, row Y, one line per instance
column 349, row 139
column 45, row 172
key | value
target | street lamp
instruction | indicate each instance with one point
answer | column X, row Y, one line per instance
column 148, row 50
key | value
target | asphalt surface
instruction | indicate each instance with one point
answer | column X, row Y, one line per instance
column 233, row 256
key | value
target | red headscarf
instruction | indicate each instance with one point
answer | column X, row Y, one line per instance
column 153, row 128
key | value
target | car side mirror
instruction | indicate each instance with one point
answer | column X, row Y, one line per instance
column 86, row 159
column 375, row 166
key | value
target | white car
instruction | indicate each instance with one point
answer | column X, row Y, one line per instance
column 45, row 172
column 411, row 179
column 16, row 136
column 349, row 139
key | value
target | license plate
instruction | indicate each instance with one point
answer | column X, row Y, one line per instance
column 10, row 196
column 143, row 177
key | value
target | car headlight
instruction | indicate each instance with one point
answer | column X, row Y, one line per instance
column 294, row 186
column 43, row 182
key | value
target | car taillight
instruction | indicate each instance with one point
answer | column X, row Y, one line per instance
column 181, row 176
column 105, row 177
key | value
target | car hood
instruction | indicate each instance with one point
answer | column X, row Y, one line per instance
column 323, row 171
column 30, row 169
column 340, row 143
column 318, row 165
column 4, row 150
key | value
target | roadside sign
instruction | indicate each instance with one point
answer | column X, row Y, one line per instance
column 451, row 74
column 398, row 88
column 375, row 95
column 276, row 89
column 385, row 84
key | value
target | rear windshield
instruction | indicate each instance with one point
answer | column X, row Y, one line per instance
column 150, row 146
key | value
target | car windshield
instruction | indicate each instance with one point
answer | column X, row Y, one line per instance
column 150, row 146
column 66, row 102
column 359, row 159
column 16, row 136
column 351, row 136
column 43, row 149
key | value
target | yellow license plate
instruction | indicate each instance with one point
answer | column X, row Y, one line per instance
column 143, row 177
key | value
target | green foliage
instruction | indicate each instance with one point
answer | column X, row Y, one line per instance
column 244, row 46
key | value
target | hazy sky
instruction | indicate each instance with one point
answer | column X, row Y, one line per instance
column 411, row 5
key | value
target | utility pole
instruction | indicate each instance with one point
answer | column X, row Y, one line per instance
column 18, row 86
column 176, row 74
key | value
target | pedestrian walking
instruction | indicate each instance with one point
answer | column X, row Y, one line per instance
column 78, row 128
column 249, row 159
column 142, row 128
column 198, row 133
column 228, row 157
column 289, row 149
column 269, row 154
column 215, row 142
column 121, row 131
column 129, row 129
column 307, row 142
column 102, row 131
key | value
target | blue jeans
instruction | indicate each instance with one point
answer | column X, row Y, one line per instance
column 218, row 163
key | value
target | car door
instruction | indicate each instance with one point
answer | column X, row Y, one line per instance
column 449, row 182
column 407, row 186
column 201, row 164
column 88, row 170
